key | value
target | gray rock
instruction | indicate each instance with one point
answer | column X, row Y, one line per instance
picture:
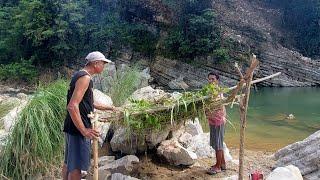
column 178, row 84
column 175, row 154
column 185, row 139
column 148, row 94
column 303, row 154
column 104, row 174
column 156, row 137
column 103, row 128
column 119, row 176
column 22, row 96
column 10, row 119
column 122, row 165
column 127, row 143
column 145, row 77
column 194, row 127
column 105, row 159
column 285, row 173
column 101, row 98
column 200, row 145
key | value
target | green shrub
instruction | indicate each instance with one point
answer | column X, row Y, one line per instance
column 22, row 70
column 221, row 54
column 197, row 36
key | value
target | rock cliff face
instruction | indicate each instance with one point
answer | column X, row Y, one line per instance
column 257, row 25
column 253, row 25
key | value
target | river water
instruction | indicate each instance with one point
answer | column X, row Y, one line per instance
column 268, row 127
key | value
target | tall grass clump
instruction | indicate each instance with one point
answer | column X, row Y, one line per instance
column 35, row 145
column 123, row 84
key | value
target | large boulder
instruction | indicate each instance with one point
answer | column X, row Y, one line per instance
column 155, row 137
column 123, row 165
column 103, row 128
column 127, row 143
column 285, row 173
column 149, row 94
column 193, row 127
column 101, row 98
column 175, row 154
column 303, row 154
column 200, row 145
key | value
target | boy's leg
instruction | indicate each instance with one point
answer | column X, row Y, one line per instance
column 74, row 175
column 64, row 172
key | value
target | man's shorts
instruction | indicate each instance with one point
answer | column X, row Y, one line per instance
column 77, row 152
column 217, row 136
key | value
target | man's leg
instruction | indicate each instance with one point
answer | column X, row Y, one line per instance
column 74, row 175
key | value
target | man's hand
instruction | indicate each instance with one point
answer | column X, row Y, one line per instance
column 90, row 133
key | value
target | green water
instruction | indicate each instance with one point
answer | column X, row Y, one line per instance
column 268, row 128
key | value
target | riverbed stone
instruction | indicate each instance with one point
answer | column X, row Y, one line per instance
column 119, row 176
column 285, row 173
column 176, row 154
column 122, row 165
column 194, row 127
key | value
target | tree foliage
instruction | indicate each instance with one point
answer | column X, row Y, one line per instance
column 302, row 18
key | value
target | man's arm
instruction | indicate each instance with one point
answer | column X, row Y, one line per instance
column 81, row 86
column 103, row 107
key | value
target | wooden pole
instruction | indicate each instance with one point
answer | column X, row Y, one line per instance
column 243, row 112
column 94, row 120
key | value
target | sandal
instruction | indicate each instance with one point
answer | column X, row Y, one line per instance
column 223, row 167
column 213, row 171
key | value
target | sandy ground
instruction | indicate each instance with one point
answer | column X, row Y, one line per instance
column 152, row 168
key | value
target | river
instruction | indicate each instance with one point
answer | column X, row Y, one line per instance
column 268, row 127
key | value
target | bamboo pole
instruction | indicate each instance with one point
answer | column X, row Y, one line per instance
column 243, row 112
column 94, row 120
column 260, row 80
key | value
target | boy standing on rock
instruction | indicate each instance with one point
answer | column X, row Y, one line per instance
column 216, row 120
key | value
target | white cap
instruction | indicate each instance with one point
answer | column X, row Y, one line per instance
column 96, row 56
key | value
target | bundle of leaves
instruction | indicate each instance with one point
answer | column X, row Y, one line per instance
column 143, row 116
